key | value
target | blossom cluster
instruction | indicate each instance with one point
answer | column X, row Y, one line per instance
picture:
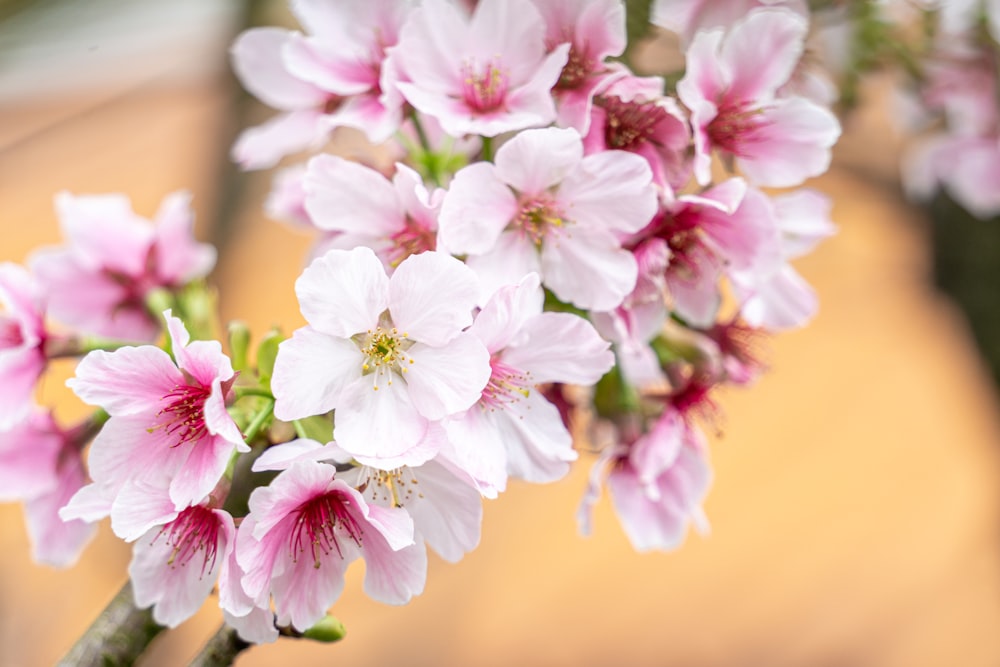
column 562, row 248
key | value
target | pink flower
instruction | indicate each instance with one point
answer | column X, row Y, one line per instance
column 657, row 483
column 99, row 283
column 513, row 429
column 484, row 74
column 306, row 527
column 686, row 17
column 632, row 114
column 166, row 419
column 545, row 208
column 388, row 354
column 330, row 78
column 731, row 85
column 22, row 336
column 361, row 208
column 595, row 30
column 40, row 465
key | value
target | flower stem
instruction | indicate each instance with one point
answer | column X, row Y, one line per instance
column 221, row 650
column 259, row 419
column 117, row 637
column 487, row 149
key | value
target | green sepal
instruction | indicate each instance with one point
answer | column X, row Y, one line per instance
column 613, row 396
column 267, row 352
column 239, row 345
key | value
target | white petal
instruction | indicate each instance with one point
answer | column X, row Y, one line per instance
column 343, row 292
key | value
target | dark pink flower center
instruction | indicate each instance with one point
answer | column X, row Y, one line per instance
column 319, row 524
column 195, row 532
column 484, row 89
column 412, row 239
column 733, row 127
column 184, row 415
column 539, row 217
column 578, row 67
column 629, row 124
column 11, row 335
column 507, row 385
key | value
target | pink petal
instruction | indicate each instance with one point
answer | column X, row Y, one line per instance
column 589, row 270
column 539, row 448
column 308, row 59
column 393, row 577
column 348, row 197
column 476, row 210
column 761, row 51
column 535, row 160
column 311, row 372
column 258, row 63
column 343, row 292
column 379, row 422
column 140, row 506
column 505, row 314
column 56, row 542
column 179, row 258
column 446, row 380
column 431, row 297
column 611, row 190
column 128, row 381
column 104, row 233
column 263, row 146
column 560, row 347
column 513, row 257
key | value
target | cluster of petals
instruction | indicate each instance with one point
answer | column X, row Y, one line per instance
column 41, row 466
column 168, row 422
column 513, row 429
column 100, row 281
column 657, row 482
column 687, row 17
column 731, row 87
column 544, row 207
column 357, row 206
column 482, row 73
column 22, row 337
column 389, row 354
column 331, row 77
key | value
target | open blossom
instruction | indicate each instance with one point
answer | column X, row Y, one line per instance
column 485, row 74
column 731, row 85
column 388, row 354
column 361, row 208
column 512, row 429
column 22, row 335
column 40, row 465
column 329, row 78
column 632, row 114
column 115, row 258
column 545, row 208
column 657, row 483
column 595, row 31
column 167, row 419
column 306, row 527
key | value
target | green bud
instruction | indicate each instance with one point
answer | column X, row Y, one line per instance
column 267, row 352
column 328, row 630
column 239, row 345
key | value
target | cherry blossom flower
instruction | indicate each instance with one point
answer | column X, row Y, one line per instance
column 306, row 527
column 40, row 465
column 22, row 337
column 595, row 30
column 730, row 86
column 330, row 78
column 632, row 114
column 512, row 429
column 99, row 283
column 359, row 207
column 545, row 208
column 657, row 483
column 484, row 74
column 167, row 419
column 388, row 354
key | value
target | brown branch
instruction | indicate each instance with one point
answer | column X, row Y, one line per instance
column 221, row 650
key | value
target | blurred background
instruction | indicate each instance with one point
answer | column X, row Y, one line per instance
column 856, row 498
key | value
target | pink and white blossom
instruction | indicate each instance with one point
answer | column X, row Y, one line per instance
column 513, row 430
column 595, row 30
column 731, row 86
column 167, row 418
column 22, row 339
column 484, row 73
column 657, row 483
column 331, row 77
column 545, row 208
column 389, row 354
column 358, row 206
column 306, row 527
column 115, row 258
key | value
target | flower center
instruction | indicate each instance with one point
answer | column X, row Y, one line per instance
column 629, row 123
column 184, row 415
column 385, row 355
column 389, row 487
column 11, row 335
column 484, row 90
column 507, row 385
column 539, row 217
column 195, row 531
column 412, row 239
column 734, row 127
column 578, row 67
column 317, row 523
